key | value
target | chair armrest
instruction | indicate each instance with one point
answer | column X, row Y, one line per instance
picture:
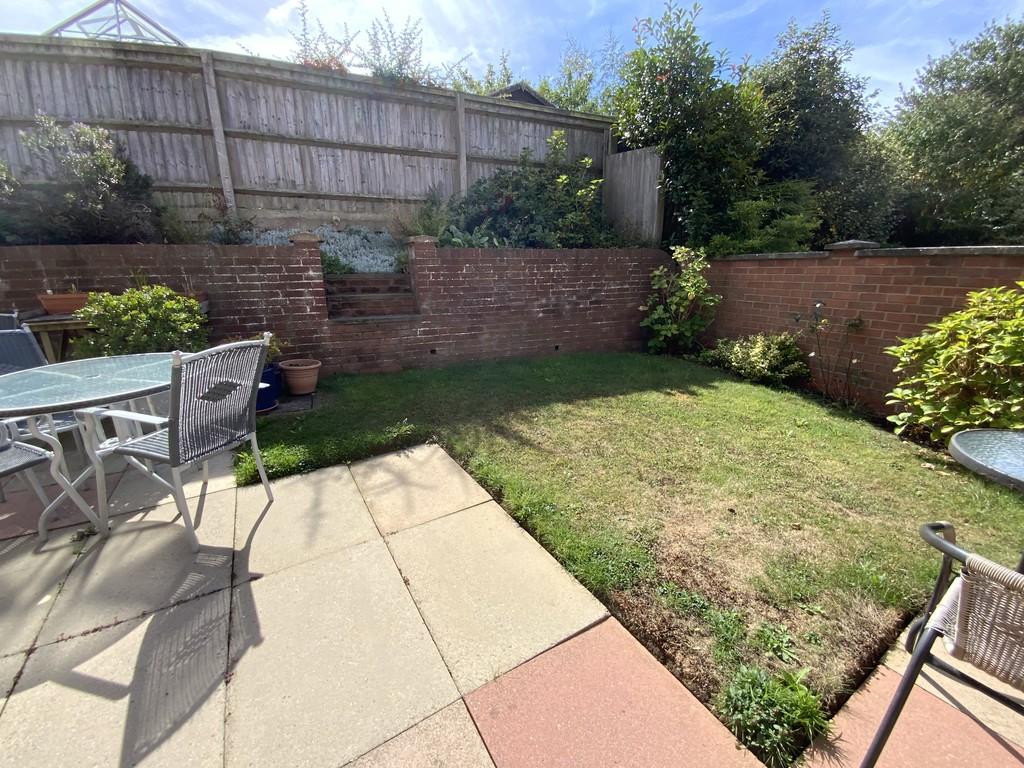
column 142, row 418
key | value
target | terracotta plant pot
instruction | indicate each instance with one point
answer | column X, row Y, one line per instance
column 62, row 303
column 300, row 375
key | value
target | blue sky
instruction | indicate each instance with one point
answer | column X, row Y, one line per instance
column 892, row 38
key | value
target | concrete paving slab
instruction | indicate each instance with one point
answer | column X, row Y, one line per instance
column 31, row 574
column 313, row 515
column 994, row 715
column 447, row 739
column 599, row 699
column 491, row 595
column 136, row 491
column 410, row 487
column 147, row 692
column 331, row 659
column 19, row 514
column 146, row 563
column 929, row 732
column 9, row 668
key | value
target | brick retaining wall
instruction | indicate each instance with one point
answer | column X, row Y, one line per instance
column 454, row 304
column 894, row 292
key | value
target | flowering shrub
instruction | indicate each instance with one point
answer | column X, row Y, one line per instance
column 965, row 370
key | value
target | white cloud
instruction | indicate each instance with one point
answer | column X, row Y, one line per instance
column 894, row 63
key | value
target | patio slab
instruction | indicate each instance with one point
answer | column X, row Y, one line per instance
column 313, row 515
column 599, row 699
column 491, row 595
column 136, row 491
column 929, row 732
column 447, row 738
column 9, row 668
column 19, row 515
column 412, row 486
column 994, row 715
column 331, row 659
column 31, row 574
column 147, row 691
column 145, row 564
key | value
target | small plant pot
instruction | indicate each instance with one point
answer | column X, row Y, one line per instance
column 62, row 303
column 300, row 375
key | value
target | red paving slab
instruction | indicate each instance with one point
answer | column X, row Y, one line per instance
column 599, row 699
column 929, row 733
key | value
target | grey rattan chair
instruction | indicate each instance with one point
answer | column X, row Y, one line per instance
column 212, row 410
column 980, row 616
column 21, row 459
column 20, row 350
column 9, row 321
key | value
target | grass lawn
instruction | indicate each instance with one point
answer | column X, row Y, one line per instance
column 724, row 523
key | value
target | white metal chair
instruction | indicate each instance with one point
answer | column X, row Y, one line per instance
column 212, row 410
column 980, row 616
column 21, row 459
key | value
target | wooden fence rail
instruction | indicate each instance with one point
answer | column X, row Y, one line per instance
column 289, row 145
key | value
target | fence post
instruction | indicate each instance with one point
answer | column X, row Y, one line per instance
column 217, row 124
column 462, row 182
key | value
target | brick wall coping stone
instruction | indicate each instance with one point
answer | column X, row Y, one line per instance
column 871, row 253
column 773, row 256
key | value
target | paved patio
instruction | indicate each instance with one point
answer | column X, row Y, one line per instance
column 390, row 614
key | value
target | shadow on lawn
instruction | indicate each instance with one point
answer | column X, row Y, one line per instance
column 368, row 414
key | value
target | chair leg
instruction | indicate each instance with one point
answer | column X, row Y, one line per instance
column 206, row 472
column 259, row 467
column 32, row 481
column 179, row 500
column 921, row 653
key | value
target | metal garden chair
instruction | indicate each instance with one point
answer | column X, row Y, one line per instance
column 20, row 350
column 212, row 410
column 21, row 459
column 980, row 616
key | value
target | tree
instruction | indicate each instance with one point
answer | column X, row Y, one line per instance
column 675, row 94
column 817, row 116
column 958, row 139
column 573, row 86
column 494, row 78
column 393, row 53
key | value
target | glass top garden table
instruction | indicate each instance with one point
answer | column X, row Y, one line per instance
column 35, row 393
column 998, row 454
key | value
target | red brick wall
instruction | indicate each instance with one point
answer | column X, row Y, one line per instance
column 895, row 292
column 468, row 304
column 250, row 288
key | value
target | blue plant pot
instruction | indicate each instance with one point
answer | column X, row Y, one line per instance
column 266, row 400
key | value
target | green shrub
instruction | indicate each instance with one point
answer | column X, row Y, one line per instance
column 431, row 218
column 765, row 358
column 556, row 204
column 966, row 370
column 152, row 318
column 681, row 303
column 782, row 218
column 97, row 194
column 774, row 715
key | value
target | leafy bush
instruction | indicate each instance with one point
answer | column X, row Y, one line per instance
column 783, row 218
column 774, row 715
column 553, row 205
column 97, row 194
column 345, row 251
column 151, row 318
column 431, row 218
column 677, row 94
column 765, row 358
column 966, row 369
column 681, row 303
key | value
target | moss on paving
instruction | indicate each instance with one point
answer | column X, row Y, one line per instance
column 725, row 523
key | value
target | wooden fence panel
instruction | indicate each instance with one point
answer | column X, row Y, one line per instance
column 298, row 147
column 633, row 201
